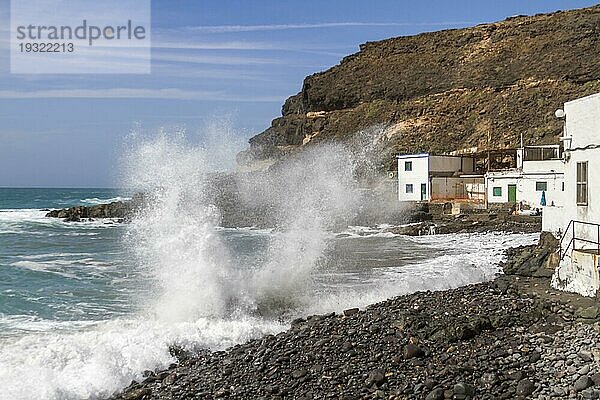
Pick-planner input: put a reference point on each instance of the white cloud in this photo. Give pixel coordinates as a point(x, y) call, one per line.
point(279, 27)
point(233, 45)
point(327, 50)
point(132, 93)
point(213, 59)
point(192, 71)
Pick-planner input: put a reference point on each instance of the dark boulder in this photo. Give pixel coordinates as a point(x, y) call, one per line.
point(535, 260)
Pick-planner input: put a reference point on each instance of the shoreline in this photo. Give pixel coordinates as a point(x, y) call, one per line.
point(511, 338)
point(415, 220)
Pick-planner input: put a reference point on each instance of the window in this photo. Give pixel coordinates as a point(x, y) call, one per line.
point(409, 188)
point(563, 187)
point(408, 165)
point(582, 178)
point(497, 191)
point(541, 186)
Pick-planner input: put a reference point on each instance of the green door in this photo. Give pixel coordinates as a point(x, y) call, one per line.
point(512, 193)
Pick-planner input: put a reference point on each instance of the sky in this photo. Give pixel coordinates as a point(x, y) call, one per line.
point(213, 62)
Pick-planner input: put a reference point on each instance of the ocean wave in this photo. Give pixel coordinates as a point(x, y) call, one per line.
point(74, 360)
point(250, 230)
point(52, 255)
point(23, 215)
point(96, 201)
point(44, 267)
point(356, 231)
point(468, 258)
point(37, 216)
point(15, 221)
point(105, 357)
point(11, 326)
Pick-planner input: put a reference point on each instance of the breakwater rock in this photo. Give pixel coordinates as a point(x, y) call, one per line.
point(434, 220)
point(119, 210)
point(536, 260)
point(496, 340)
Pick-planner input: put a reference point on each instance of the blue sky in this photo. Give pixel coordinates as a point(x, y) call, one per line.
point(228, 61)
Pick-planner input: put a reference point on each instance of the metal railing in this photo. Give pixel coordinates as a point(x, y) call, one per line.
point(571, 228)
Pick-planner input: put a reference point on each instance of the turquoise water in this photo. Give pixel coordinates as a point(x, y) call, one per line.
point(14, 198)
point(55, 271)
point(85, 307)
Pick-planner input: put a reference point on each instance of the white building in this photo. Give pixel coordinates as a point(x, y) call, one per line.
point(577, 220)
point(539, 171)
point(426, 177)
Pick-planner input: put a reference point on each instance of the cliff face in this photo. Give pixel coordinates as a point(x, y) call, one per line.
point(443, 91)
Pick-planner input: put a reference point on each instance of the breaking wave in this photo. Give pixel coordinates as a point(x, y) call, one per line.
point(199, 287)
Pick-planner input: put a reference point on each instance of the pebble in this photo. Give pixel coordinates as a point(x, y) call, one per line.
point(469, 343)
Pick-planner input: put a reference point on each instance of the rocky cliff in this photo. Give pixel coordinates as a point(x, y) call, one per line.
point(449, 90)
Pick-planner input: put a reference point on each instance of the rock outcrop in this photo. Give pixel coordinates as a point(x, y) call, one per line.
point(479, 87)
point(536, 260)
point(120, 210)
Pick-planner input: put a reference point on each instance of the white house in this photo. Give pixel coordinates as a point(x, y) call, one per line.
point(539, 172)
point(577, 221)
point(426, 177)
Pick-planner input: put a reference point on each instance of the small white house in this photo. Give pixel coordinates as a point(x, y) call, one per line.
point(539, 174)
point(577, 221)
point(426, 177)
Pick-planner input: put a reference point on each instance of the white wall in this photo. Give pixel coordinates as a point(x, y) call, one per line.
point(543, 166)
point(527, 192)
point(502, 180)
point(583, 120)
point(553, 220)
point(418, 176)
point(583, 125)
point(578, 271)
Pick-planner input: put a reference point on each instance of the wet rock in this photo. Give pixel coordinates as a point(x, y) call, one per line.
point(525, 387)
point(488, 380)
point(350, 312)
point(591, 312)
point(137, 393)
point(596, 379)
point(119, 210)
point(463, 390)
point(582, 383)
point(412, 351)
point(376, 376)
point(170, 379)
point(532, 260)
point(436, 394)
point(298, 373)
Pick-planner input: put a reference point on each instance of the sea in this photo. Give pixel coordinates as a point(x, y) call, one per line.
point(81, 315)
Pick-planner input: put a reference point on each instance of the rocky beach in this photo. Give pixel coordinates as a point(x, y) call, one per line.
point(512, 338)
point(477, 91)
point(380, 238)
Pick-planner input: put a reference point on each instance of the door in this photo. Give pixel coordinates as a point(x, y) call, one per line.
point(512, 193)
point(423, 191)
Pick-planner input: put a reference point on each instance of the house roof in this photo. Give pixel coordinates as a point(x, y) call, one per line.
point(418, 155)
